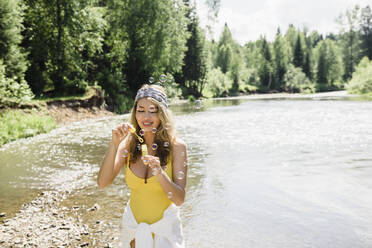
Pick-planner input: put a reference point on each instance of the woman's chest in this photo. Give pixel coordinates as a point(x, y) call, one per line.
point(140, 170)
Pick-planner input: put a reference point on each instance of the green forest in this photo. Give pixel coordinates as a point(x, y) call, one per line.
point(53, 48)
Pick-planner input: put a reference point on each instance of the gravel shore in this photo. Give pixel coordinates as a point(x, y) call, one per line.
point(44, 223)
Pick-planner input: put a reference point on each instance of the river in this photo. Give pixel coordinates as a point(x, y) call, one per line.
point(261, 172)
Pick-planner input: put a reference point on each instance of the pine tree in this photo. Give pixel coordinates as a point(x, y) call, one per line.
point(366, 31)
point(298, 53)
point(322, 66)
point(266, 68)
point(280, 61)
point(307, 66)
point(194, 67)
point(225, 50)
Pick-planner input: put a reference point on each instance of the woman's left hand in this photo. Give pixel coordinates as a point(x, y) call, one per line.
point(153, 162)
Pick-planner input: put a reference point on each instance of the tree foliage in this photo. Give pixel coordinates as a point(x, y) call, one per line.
point(329, 65)
point(361, 82)
point(119, 44)
point(156, 33)
point(350, 39)
point(298, 53)
point(192, 76)
point(366, 30)
point(62, 36)
point(224, 50)
point(266, 70)
point(296, 81)
point(13, 87)
point(280, 48)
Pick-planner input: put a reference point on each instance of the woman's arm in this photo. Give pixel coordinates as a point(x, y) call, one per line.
point(176, 188)
point(113, 161)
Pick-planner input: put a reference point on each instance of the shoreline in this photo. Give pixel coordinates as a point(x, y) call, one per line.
point(263, 96)
point(66, 115)
point(45, 221)
point(329, 94)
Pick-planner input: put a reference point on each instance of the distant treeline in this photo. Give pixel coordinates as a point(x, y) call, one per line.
point(61, 47)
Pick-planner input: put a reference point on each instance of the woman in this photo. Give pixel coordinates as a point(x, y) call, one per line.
point(157, 180)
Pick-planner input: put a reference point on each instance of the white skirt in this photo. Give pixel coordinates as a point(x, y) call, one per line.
point(168, 230)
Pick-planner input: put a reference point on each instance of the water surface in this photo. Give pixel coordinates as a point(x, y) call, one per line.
point(262, 173)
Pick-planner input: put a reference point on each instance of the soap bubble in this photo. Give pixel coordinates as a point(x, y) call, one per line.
point(163, 78)
point(180, 175)
point(154, 146)
point(125, 154)
point(170, 195)
point(154, 130)
point(166, 144)
point(155, 171)
point(167, 126)
point(151, 80)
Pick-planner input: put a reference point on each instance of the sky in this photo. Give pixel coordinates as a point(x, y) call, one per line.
point(250, 19)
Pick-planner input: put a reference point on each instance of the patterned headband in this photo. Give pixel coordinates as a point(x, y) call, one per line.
point(154, 94)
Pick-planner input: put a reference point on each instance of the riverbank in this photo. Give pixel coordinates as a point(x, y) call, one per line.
point(41, 116)
point(320, 95)
point(66, 115)
point(70, 110)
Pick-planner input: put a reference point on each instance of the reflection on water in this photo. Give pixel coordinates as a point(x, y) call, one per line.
point(262, 173)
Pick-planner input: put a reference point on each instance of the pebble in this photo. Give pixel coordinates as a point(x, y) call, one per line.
point(45, 222)
point(2, 215)
point(95, 207)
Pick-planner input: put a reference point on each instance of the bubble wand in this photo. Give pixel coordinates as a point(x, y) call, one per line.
point(133, 131)
point(143, 146)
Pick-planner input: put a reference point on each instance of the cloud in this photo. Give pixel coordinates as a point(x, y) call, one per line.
point(248, 20)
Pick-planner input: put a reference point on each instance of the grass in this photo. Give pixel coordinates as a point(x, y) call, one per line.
point(88, 94)
point(16, 124)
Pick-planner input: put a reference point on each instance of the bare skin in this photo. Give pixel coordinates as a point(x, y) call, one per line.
point(147, 118)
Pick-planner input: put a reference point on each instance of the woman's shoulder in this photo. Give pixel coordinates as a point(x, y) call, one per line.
point(178, 143)
point(179, 147)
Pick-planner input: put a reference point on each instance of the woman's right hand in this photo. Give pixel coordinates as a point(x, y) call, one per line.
point(119, 133)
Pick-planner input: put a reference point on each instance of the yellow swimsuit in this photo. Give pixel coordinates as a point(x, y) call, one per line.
point(147, 200)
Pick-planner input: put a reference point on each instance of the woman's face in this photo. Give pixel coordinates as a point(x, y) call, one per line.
point(147, 115)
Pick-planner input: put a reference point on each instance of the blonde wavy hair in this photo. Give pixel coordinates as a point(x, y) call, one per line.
point(165, 131)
